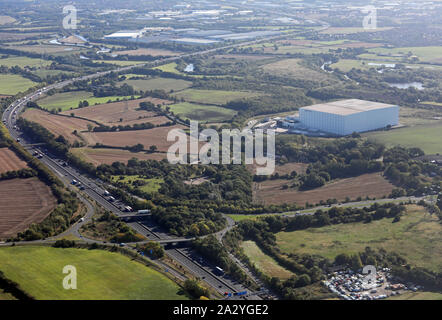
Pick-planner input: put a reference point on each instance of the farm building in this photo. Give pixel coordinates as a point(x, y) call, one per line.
point(347, 116)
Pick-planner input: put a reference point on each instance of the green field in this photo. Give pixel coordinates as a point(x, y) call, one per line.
point(201, 112)
point(263, 262)
point(101, 275)
point(170, 67)
point(24, 62)
point(424, 295)
point(11, 84)
point(152, 185)
point(417, 237)
point(427, 137)
point(70, 100)
point(166, 84)
point(119, 62)
point(218, 97)
point(425, 54)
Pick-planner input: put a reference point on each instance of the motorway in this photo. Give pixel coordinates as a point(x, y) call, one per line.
point(94, 189)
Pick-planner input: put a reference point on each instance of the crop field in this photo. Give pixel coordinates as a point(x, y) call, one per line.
point(9, 161)
point(170, 67)
point(263, 262)
point(148, 52)
point(11, 84)
point(119, 62)
point(420, 295)
point(286, 168)
point(201, 112)
point(372, 185)
point(427, 137)
point(293, 68)
point(69, 100)
point(24, 62)
point(425, 54)
point(151, 185)
point(417, 237)
point(121, 113)
point(350, 30)
point(155, 136)
point(99, 156)
point(102, 275)
point(33, 201)
point(166, 84)
point(46, 49)
point(6, 20)
point(58, 125)
point(218, 97)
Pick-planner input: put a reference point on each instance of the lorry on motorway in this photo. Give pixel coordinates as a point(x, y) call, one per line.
point(219, 271)
point(146, 211)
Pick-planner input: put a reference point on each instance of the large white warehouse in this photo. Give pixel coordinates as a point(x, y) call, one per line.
point(347, 116)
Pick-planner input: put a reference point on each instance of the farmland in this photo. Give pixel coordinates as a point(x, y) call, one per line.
point(102, 275)
point(99, 156)
point(217, 97)
point(69, 100)
point(11, 84)
point(9, 161)
point(417, 237)
point(24, 62)
point(293, 68)
point(263, 262)
point(430, 54)
point(206, 113)
point(58, 125)
point(33, 201)
point(148, 52)
point(167, 84)
point(150, 185)
point(372, 185)
point(426, 137)
point(120, 113)
point(155, 136)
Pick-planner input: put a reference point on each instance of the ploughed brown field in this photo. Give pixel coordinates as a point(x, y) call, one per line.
point(22, 203)
point(99, 156)
point(127, 111)
point(9, 161)
point(149, 137)
point(287, 168)
point(58, 125)
point(148, 52)
point(372, 185)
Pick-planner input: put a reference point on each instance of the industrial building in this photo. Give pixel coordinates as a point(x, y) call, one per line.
point(347, 116)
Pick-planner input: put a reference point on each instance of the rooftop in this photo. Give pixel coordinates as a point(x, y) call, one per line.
point(347, 107)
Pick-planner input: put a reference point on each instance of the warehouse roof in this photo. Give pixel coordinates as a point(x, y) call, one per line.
point(346, 107)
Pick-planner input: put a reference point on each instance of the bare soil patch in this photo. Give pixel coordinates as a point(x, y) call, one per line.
point(9, 161)
point(23, 202)
point(127, 111)
point(58, 125)
point(99, 156)
point(148, 52)
point(372, 185)
point(155, 136)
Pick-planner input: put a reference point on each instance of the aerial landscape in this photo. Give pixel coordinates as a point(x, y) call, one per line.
point(228, 150)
